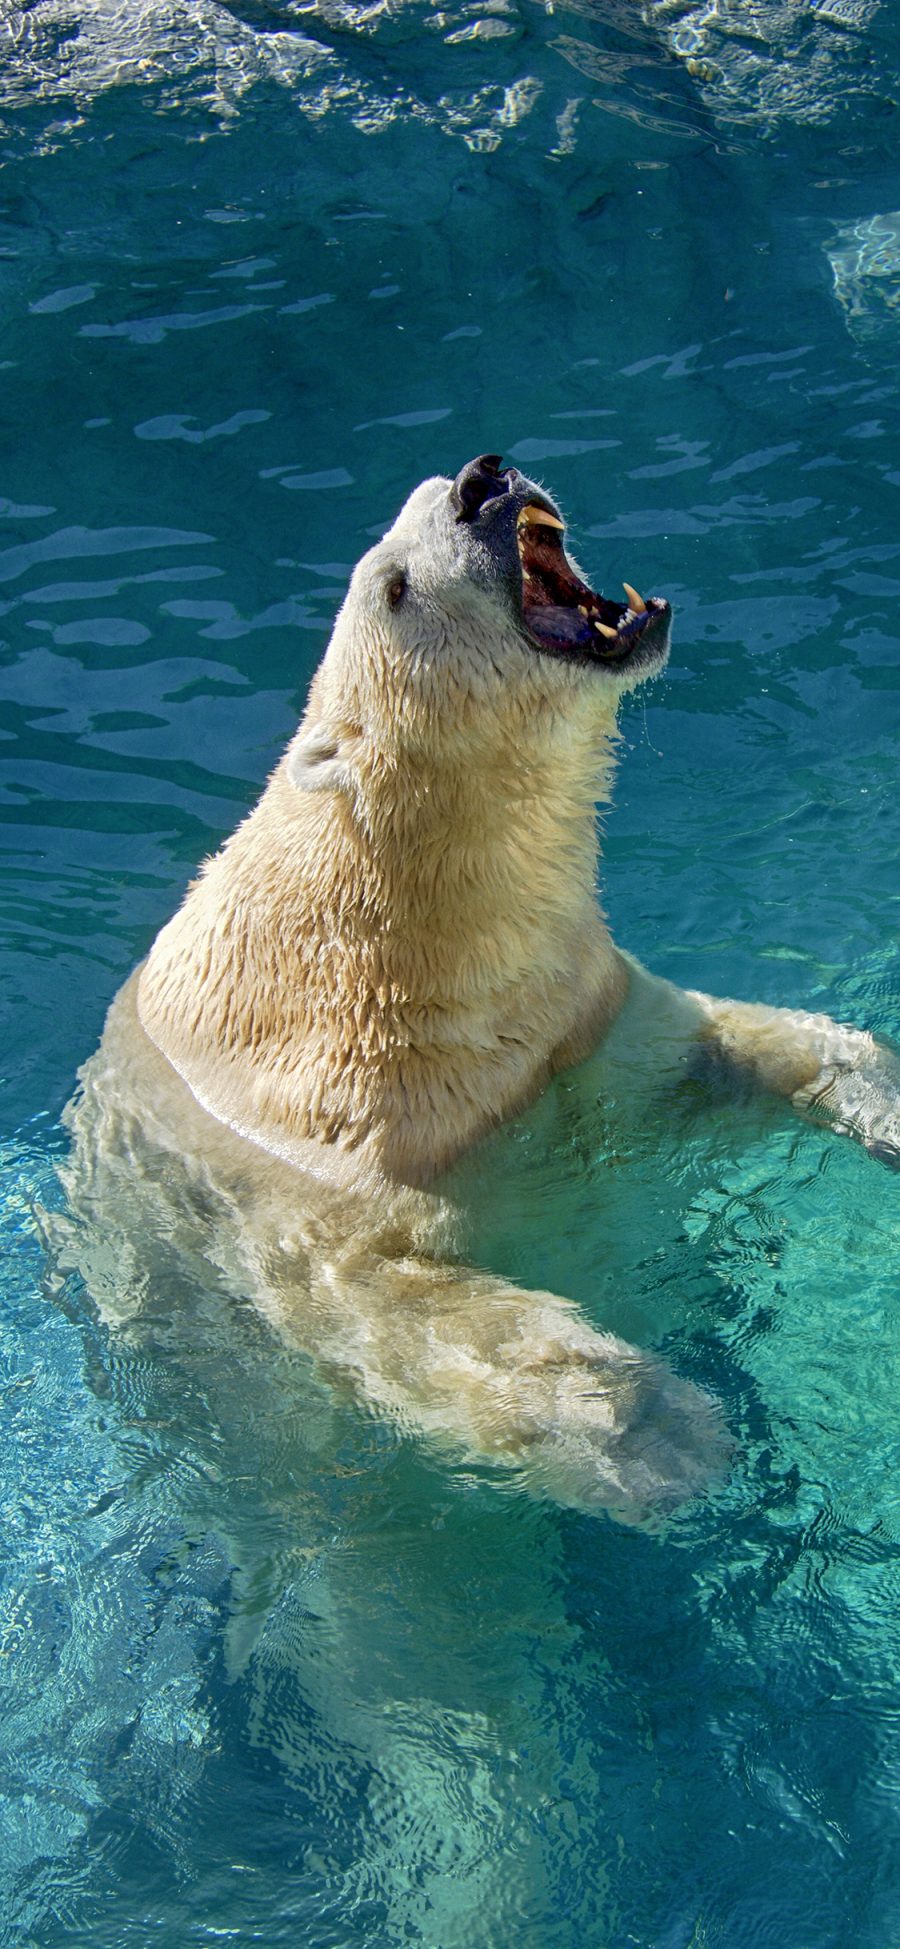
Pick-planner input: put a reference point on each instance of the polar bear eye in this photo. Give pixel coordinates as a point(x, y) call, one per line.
point(396, 590)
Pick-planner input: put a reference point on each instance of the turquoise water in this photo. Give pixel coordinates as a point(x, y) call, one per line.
point(271, 1670)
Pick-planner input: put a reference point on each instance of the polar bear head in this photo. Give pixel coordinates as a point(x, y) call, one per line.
point(466, 628)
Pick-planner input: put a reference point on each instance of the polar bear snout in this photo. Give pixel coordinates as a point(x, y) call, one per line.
point(482, 480)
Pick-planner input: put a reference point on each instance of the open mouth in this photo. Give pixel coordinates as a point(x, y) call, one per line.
point(563, 616)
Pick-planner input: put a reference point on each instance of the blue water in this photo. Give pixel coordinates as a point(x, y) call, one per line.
point(272, 1671)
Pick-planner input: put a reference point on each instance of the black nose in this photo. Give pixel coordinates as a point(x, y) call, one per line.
point(479, 482)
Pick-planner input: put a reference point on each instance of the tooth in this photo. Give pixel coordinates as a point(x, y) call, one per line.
point(605, 630)
point(536, 514)
point(635, 601)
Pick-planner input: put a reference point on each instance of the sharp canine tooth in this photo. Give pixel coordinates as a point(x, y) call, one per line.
point(605, 630)
point(635, 601)
point(536, 514)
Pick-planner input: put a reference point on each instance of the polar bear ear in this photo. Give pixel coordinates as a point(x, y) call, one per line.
point(318, 761)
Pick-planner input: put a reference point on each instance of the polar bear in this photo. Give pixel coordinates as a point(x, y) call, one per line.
point(400, 950)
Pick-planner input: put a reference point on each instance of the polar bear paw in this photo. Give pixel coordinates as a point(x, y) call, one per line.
point(598, 1424)
point(860, 1102)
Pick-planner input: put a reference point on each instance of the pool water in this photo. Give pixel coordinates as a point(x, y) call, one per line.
point(272, 1670)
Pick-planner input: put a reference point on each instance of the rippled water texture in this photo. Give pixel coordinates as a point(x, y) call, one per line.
point(271, 1670)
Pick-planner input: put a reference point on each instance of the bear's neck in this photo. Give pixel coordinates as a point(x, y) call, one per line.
point(397, 976)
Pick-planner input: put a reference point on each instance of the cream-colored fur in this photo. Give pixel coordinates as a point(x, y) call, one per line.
point(402, 943)
point(399, 950)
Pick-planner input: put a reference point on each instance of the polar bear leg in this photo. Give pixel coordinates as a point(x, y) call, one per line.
point(831, 1073)
point(520, 1377)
